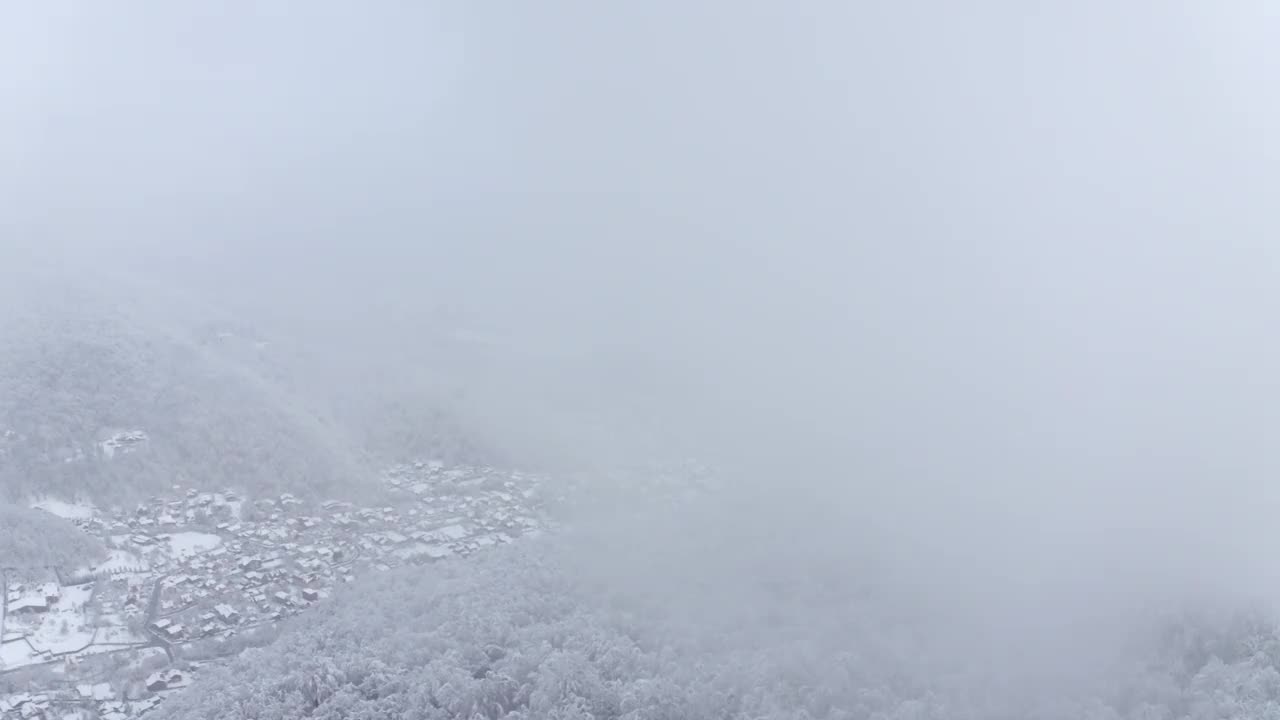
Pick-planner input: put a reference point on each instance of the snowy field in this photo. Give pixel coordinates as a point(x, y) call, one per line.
point(15, 654)
point(118, 635)
point(63, 509)
point(64, 627)
point(189, 544)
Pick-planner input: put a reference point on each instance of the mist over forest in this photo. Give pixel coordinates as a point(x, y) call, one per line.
point(638, 360)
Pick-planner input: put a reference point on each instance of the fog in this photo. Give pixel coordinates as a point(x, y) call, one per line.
point(980, 296)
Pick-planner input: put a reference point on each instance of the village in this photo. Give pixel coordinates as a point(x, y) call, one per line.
point(199, 574)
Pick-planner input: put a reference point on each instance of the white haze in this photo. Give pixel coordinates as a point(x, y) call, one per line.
point(978, 294)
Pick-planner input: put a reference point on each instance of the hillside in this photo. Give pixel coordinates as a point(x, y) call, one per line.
point(32, 539)
point(525, 633)
point(96, 404)
point(113, 386)
point(112, 392)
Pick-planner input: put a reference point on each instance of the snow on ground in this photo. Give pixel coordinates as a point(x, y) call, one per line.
point(145, 656)
point(114, 632)
point(448, 532)
point(189, 544)
point(98, 648)
point(16, 654)
point(125, 442)
point(64, 627)
point(66, 510)
point(118, 635)
point(121, 561)
point(235, 505)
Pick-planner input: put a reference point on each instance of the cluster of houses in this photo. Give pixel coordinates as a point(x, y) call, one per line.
point(25, 705)
point(26, 598)
point(123, 442)
point(89, 700)
point(202, 566)
point(100, 700)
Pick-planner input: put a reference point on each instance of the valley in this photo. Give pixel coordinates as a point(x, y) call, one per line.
point(195, 575)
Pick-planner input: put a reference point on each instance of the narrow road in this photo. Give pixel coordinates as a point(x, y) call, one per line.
point(157, 641)
point(154, 602)
point(152, 605)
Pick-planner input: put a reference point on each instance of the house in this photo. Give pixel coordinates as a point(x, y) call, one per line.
point(282, 597)
point(24, 705)
point(101, 692)
point(29, 604)
point(454, 531)
point(310, 594)
point(14, 702)
point(157, 682)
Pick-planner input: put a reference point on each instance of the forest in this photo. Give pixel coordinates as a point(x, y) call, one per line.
point(526, 632)
point(220, 407)
point(34, 539)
